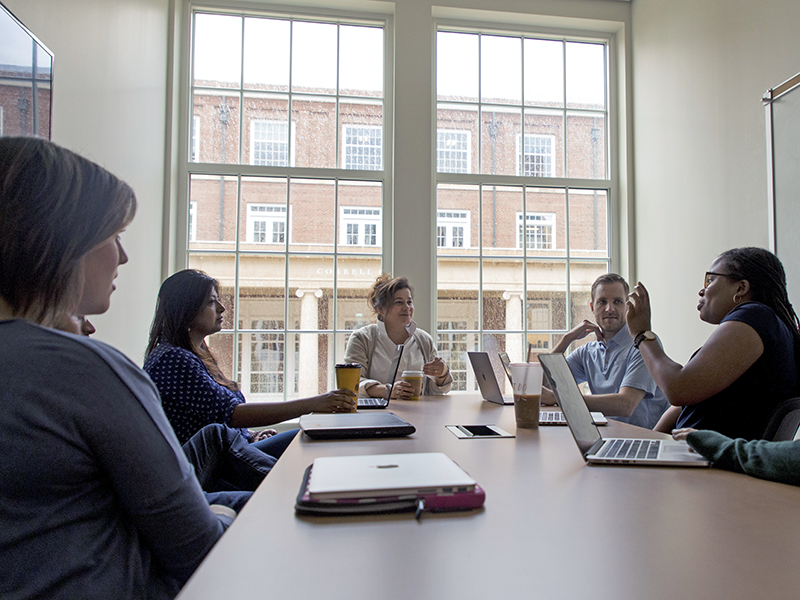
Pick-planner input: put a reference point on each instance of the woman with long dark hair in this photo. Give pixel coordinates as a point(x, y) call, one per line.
point(749, 363)
point(98, 498)
point(194, 390)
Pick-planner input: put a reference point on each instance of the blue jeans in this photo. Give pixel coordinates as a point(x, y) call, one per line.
point(224, 460)
point(230, 468)
point(234, 500)
point(275, 445)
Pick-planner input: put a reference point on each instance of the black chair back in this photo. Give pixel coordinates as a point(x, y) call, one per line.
point(784, 422)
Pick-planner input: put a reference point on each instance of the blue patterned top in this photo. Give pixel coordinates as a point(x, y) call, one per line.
point(190, 396)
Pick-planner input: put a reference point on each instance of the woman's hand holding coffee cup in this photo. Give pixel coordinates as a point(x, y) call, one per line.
point(402, 390)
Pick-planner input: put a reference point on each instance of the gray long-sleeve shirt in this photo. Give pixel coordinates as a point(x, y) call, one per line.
point(97, 500)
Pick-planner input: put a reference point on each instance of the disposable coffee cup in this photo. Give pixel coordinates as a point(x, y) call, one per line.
point(415, 379)
point(348, 376)
point(526, 381)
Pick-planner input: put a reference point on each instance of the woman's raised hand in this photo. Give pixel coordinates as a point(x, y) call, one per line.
point(638, 315)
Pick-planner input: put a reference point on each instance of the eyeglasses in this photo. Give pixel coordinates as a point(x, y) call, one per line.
point(706, 281)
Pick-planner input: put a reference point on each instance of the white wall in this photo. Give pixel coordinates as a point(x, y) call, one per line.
point(109, 105)
point(700, 69)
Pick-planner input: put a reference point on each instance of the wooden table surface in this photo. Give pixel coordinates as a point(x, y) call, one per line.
point(552, 527)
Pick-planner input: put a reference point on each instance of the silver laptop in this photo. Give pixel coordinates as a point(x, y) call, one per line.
point(336, 477)
point(363, 403)
point(595, 449)
point(490, 390)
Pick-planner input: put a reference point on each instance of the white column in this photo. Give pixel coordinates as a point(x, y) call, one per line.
point(515, 347)
point(309, 348)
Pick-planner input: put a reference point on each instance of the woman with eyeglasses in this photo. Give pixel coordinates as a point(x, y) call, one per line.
point(748, 365)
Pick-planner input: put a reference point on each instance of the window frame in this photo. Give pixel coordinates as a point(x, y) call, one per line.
point(610, 182)
point(186, 169)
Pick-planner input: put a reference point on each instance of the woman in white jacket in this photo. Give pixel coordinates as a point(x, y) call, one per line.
point(373, 346)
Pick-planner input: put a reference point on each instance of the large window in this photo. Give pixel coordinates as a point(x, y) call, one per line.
point(285, 188)
point(522, 148)
point(287, 181)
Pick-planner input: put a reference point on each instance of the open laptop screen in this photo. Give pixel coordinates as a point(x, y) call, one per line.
point(570, 400)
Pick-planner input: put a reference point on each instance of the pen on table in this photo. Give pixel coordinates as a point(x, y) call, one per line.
point(420, 508)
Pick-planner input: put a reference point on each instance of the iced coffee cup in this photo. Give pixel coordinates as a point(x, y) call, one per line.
point(348, 376)
point(526, 381)
point(415, 379)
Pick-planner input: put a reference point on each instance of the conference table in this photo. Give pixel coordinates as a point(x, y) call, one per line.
point(551, 527)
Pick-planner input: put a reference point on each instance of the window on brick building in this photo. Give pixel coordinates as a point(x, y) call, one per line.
point(270, 143)
point(195, 142)
point(452, 346)
point(362, 147)
point(360, 226)
point(537, 232)
point(452, 151)
point(536, 155)
point(452, 229)
point(192, 228)
point(266, 224)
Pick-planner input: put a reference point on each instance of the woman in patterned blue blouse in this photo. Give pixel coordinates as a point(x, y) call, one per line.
point(194, 391)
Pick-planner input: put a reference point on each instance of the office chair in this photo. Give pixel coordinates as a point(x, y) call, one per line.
point(785, 421)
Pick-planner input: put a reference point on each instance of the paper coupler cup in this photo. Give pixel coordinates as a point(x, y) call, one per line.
point(526, 381)
point(348, 376)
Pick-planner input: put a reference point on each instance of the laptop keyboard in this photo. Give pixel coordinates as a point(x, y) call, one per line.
point(630, 449)
point(371, 401)
point(551, 416)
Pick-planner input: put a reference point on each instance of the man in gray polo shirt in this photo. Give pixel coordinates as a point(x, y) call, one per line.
point(620, 384)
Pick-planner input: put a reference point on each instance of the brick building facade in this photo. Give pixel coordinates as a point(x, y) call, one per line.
point(313, 233)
